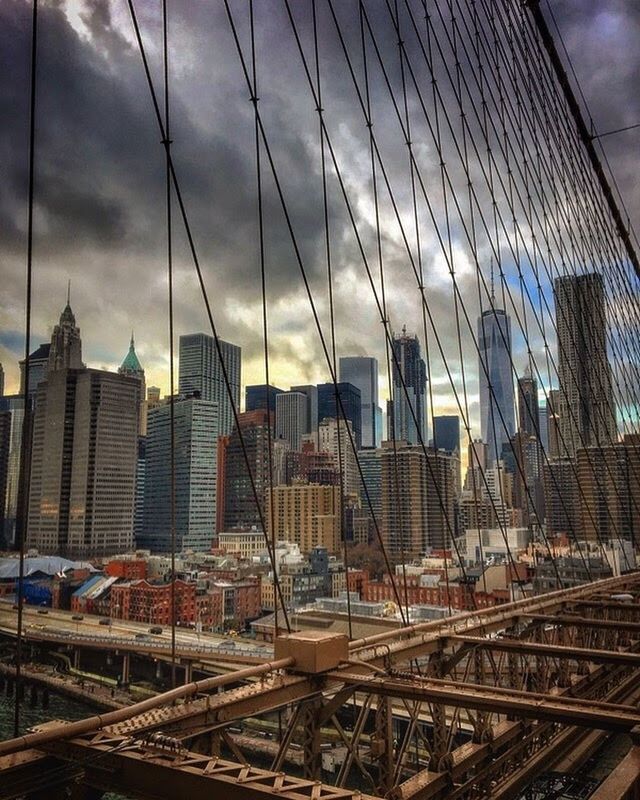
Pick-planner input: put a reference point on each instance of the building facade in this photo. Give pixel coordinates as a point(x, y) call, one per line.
point(350, 398)
point(196, 433)
point(586, 402)
point(362, 372)
point(291, 418)
point(83, 466)
point(406, 414)
point(201, 371)
point(306, 514)
point(497, 409)
point(261, 398)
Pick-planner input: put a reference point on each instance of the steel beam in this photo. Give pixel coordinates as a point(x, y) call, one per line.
point(568, 711)
point(552, 650)
point(584, 622)
point(114, 765)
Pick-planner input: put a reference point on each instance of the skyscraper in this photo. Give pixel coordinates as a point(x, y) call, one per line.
point(446, 433)
point(351, 405)
point(261, 397)
point(417, 500)
point(362, 372)
point(240, 509)
point(201, 371)
point(291, 418)
point(406, 416)
point(497, 409)
point(528, 413)
point(586, 404)
point(1, 381)
point(311, 393)
point(38, 367)
point(83, 464)
point(329, 434)
point(5, 443)
point(65, 351)
point(13, 405)
point(132, 367)
point(196, 433)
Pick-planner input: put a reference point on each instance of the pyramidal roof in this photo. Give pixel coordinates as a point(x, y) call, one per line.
point(131, 363)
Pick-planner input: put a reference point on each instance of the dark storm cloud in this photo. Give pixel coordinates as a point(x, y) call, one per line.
point(100, 215)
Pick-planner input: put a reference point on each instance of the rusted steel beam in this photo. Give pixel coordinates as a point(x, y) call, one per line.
point(624, 782)
point(552, 650)
point(20, 770)
point(113, 765)
point(568, 711)
point(584, 622)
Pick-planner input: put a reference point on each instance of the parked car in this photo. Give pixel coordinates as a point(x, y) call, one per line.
point(77, 617)
point(155, 629)
point(43, 611)
point(104, 621)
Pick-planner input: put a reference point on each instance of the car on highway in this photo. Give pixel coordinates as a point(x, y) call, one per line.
point(43, 611)
point(141, 636)
point(77, 617)
point(156, 629)
point(104, 621)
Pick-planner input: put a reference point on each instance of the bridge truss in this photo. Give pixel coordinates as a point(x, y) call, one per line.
point(471, 707)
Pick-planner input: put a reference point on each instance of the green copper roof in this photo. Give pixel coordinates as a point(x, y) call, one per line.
point(131, 362)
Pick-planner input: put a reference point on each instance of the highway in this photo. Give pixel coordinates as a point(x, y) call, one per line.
point(59, 625)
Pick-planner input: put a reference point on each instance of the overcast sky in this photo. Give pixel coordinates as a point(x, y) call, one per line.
point(100, 215)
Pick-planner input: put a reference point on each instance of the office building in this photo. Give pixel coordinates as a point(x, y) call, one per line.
point(38, 367)
point(330, 433)
point(553, 424)
point(250, 442)
point(311, 393)
point(562, 498)
point(13, 407)
point(586, 403)
point(497, 409)
point(84, 452)
point(138, 508)
point(528, 412)
point(609, 479)
point(200, 371)
point(351, 406)
point(312, 466)
point(446, 433)
point(83, 463)
point(417, 500)
point(5, 443)
point(371, 479)
point(362, 372)
point(406, 415)
point(291, 418)
point(261, 398)
point(196, 434)
point(132, 367)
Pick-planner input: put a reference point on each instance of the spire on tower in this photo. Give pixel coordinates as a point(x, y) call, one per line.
point(69, 292)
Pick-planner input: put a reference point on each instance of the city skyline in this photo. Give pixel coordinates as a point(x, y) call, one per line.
point(127, 299)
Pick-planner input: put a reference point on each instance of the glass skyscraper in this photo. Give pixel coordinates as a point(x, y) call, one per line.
point(497, 408)
point(406, 415)
point(200, 371)
point(196, 433)
point(446, 433)
point(351, 403)
point(362, 372)
point(261, 397)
